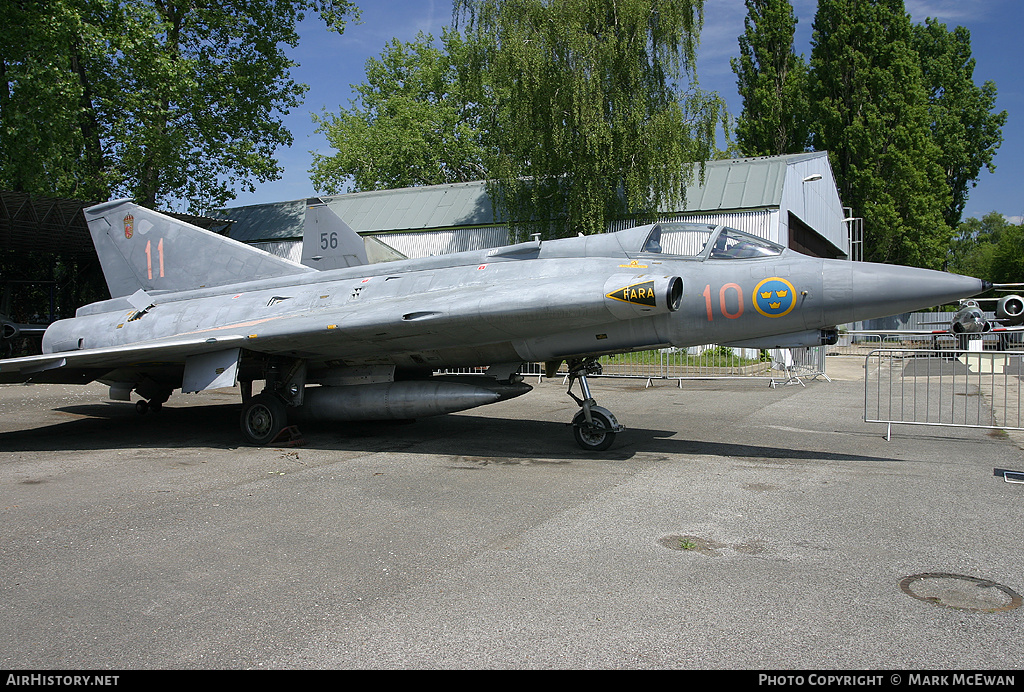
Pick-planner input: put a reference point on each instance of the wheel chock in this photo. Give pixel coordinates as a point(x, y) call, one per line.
point(289, 437)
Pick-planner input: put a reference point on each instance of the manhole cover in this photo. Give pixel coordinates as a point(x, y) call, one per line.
point(963, 593)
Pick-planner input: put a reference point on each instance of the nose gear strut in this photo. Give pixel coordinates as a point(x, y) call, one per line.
point(594, 427)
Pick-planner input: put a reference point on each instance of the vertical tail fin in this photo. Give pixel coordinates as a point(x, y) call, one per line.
point(139, 248)
point(328, 242)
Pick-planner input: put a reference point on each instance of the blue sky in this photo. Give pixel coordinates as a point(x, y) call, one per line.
point(330, 64)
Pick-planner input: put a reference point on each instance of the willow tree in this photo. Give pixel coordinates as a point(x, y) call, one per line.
point(592, 106)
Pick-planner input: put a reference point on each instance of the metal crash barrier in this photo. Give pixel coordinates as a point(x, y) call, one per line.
point(974, 389)
point(713, 362)
point(779, 366)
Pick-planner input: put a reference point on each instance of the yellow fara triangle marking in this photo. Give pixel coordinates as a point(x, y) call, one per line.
point(637, 294)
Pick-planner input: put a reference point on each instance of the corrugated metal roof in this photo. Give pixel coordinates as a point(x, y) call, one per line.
point(265, 222)
point(736, 184)
point(415, 208)
point(57, 226)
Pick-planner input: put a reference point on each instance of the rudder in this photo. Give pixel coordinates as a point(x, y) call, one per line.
point(327, 241)
point(139, 248)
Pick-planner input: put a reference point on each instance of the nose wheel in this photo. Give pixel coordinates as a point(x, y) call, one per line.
point(594, 427)
point(154, 397)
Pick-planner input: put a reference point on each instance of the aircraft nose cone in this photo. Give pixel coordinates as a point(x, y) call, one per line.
point(857, 291)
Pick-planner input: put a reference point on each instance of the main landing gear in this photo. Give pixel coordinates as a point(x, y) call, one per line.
point(264, 417)
point(594, 427)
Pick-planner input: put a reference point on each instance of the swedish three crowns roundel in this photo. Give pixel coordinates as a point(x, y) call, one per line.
point(774, 297)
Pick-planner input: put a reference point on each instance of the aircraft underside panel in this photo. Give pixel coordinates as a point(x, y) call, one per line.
point(211, 370)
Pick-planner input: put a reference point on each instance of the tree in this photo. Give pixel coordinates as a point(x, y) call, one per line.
point(1008, 258)
point(411, 124)
point(869, 109)
point(47, 144)
point(963, 125)
point(167, 101)
point(991, 248)
point(772, 81)
point(583, 100)
point(162, 101)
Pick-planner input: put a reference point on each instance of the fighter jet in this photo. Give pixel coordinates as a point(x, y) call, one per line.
point(10, 330)
point(970, 321)
point(193, 310)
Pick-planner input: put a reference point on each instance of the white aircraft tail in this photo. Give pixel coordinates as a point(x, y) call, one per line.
point(139, 248)
point(328, 242)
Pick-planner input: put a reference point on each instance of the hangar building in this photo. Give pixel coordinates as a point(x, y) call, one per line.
point(791, 200)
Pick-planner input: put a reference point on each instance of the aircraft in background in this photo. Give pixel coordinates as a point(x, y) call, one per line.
point(10, 330)
point(970, 321)
point(192, 310)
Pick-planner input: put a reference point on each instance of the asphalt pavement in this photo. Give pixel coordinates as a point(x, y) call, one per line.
point(733, 525)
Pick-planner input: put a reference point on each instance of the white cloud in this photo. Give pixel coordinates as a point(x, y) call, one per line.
point(950, 10)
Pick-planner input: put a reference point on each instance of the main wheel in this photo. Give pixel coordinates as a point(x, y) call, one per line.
point(263, 417)
point(593, 438)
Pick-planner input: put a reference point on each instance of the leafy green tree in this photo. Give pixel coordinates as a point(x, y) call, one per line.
point(166, 101)
point(159, 100)
point(772, 81)
point(584, 101)
point(48, 145)
point(973, 245)
point(45, 139)
point(869, 109)
point(990, 248)
point(963, 123)
point(1008, 258)
point(411, 123)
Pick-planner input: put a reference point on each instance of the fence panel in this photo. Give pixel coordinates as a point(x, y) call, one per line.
point(943, 388)
point(698, 362)
point(861, 343)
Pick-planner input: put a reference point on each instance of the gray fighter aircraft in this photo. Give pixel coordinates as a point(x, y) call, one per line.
point(193, 310)
point(10, 330)
point(971, 321)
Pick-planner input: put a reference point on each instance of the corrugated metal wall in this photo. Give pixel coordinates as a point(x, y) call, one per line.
point(810, 194)
point(444, 242)
point(754, 195)
point(288, 249)
point(762, 223)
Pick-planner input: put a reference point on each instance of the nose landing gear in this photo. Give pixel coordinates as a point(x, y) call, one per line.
point(594, 427)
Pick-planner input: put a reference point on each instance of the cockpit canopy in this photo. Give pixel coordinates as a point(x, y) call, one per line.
point(699, 241)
